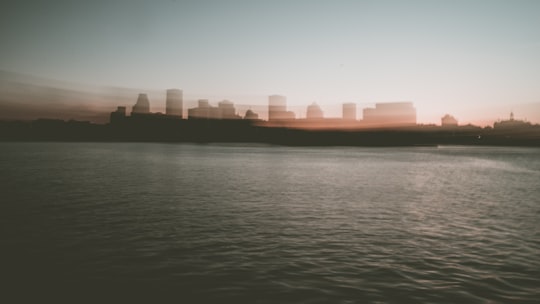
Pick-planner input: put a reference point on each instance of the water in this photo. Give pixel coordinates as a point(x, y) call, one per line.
point(269, 224)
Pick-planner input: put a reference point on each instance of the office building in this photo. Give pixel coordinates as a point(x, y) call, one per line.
point(224, 110)
point(174, 103)
point(277, 107)
point(390, 114)
point(349, 111)
point(142, 106)
point(227, 110)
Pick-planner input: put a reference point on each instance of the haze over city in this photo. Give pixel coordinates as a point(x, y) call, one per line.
point(477, 60)
point(270, 151)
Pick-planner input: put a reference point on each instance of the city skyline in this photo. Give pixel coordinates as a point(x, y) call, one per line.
point(53, 99)
point(383, 115)
point(385, 124)
point(475, 59)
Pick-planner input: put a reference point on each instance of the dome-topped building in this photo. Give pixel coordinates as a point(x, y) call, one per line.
point(449, 121)
point(314, 112)
point(251, 115)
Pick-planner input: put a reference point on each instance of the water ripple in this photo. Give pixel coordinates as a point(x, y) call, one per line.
point(275, 224)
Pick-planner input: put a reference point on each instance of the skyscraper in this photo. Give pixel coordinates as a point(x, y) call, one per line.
point(142, 106)
point(349, 111)
point(174, 104)
point(277, 107)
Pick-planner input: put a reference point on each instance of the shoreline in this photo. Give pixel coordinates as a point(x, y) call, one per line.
point(246, 132)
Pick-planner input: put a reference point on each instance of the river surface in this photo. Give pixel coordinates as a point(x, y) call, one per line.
point(271, 224)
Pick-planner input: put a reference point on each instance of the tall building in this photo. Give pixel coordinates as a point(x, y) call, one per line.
point(390, 114)
point(174, 103)
point(349, 111)
point(227, 110)
point(277, 107)
point(142, 106)
point(314, 112)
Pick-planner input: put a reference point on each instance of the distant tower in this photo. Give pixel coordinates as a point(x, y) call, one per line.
point(349, 111)
point(277, 107)
point(142, 106)
point(314, 112)
point(174, 103)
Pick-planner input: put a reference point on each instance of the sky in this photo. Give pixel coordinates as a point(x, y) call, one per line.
point(475, 59)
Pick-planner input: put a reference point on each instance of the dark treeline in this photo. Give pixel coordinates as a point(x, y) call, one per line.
point(208, 130)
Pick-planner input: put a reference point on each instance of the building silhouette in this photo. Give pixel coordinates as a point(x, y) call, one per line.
point(142, 106)
point(277, 108)
point(174, 103)
point(251, 115)
point(202, 111)
point(511, 123)
point(118, 116)
point(227, 110)
point(449, 121)
point(224, 110)
point(314, 112)
point(349, 111)
point(390, 114)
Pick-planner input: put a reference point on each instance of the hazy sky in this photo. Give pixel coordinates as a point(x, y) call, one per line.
point(458, 57)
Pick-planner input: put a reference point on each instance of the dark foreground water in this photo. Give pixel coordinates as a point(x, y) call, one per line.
point(267, 224)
